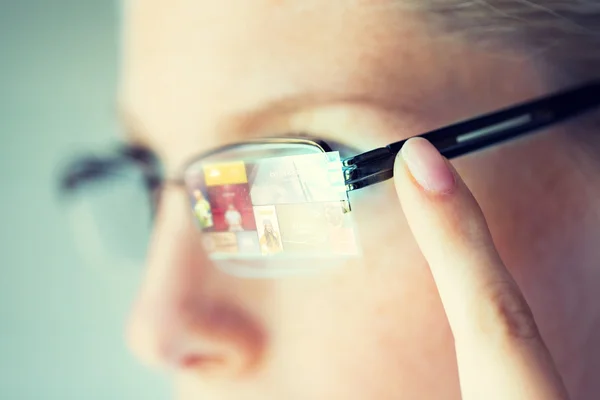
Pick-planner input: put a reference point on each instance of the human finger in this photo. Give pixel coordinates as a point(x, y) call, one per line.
point(499, 350)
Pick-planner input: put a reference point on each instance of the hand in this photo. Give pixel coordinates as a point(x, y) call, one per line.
point(499, 350)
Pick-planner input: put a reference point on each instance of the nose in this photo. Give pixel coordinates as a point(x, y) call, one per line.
point(184, 316)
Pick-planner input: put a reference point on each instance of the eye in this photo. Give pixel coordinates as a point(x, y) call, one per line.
point(345, 150)
point(108, 199)
point(137, 166)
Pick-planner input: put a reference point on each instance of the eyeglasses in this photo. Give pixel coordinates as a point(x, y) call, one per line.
point(288, 196)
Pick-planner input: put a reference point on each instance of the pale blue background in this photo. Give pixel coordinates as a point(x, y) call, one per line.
point(61, 324)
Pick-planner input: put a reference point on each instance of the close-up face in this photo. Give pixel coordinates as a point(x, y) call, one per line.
point(204, 74)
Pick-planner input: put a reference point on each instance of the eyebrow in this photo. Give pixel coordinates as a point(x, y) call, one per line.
point(302, 100)
point(247, 119)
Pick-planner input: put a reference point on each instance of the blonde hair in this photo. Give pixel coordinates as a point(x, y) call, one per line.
point(563, 36)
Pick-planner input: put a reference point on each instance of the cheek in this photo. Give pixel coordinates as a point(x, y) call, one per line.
point(383, 232)
point(373, 327)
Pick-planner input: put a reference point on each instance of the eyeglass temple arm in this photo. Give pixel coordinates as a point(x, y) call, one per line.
point(464, 137)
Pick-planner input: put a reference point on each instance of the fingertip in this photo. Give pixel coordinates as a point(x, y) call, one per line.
point(443, 215)
point(399, 168)
point(428, 168)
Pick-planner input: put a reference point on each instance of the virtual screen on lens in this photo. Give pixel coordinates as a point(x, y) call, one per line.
point(281, 206)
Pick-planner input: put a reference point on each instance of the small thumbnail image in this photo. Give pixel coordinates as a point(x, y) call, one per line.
point(275, 181)
point(317, 228)
point(321, 176)
point(304, 228)
point(267, 226)
point(342, 236)
point(296, 179)
point(229, 173)
point(199, 199)
point(231, 208)
point(202, 209)
point(334, 214)
point(248, 243)
point(220, 242)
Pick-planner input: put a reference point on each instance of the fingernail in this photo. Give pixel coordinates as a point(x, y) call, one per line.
point(427, 166)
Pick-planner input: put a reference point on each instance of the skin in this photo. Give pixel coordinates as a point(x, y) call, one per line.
point(198, 75)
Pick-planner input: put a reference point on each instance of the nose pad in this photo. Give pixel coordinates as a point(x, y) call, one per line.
point(184, 316)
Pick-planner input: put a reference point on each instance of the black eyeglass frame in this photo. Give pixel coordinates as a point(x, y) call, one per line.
point(461, 138)
point(375, 166)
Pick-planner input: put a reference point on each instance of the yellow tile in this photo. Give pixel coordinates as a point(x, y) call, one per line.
point(225, 174)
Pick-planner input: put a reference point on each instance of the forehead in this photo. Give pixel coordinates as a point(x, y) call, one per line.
point(204, 70)
point(246, 41)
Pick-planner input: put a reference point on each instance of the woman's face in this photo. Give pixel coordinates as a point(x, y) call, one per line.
point(202, 74)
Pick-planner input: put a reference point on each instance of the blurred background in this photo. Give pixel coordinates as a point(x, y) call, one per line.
point(61, 320)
